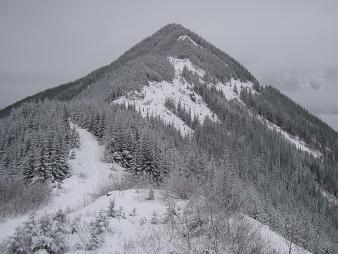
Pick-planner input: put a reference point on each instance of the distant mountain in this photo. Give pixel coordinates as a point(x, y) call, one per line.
point(176, 105)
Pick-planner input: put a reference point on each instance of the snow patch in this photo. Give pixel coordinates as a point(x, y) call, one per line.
point(179, 65)
point(329, 196)
point(151, 99)
point(229, 88)
point(300, 144)
point(185, 37)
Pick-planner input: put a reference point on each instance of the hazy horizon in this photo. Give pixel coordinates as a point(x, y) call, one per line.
point(44, 44)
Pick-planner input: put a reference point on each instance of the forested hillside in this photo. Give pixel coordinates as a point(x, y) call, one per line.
point(229, 150)
point(282, 111)
point(36, 141)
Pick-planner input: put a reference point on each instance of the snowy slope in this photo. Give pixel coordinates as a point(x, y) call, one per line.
point(142, 229)
point(150, 101)
point(152, 97)
point(130, 234)
point(228, 89)
point(231, 91)
point(145, 231)
point(87, 171)
point(296, 141)
point(274, 241)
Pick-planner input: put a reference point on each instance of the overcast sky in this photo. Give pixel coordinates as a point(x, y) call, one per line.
point(45, 43)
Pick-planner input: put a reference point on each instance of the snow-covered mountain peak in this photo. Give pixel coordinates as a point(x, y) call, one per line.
point(152, 99)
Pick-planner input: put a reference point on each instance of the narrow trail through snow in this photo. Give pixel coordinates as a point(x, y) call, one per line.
point(87, 169)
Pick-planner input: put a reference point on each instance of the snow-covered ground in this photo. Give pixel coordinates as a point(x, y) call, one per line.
point(230, 87)
point(142, 218)
point(140, 229)
point(296, 141)
point(152, 98)
point(274, 241)
point(88, 170)
point(143, 229)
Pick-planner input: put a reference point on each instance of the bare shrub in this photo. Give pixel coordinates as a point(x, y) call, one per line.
point(211, 217)
point(124, 182)
point(153, 241)
point(245, 237)
point(151, 195)
point(217, 208)
point(133, 212)
point(83, 175)
point(180, 186)
point(215, 233)
point(17, 197)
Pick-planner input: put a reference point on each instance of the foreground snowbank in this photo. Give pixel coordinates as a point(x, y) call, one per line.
point(147, 229)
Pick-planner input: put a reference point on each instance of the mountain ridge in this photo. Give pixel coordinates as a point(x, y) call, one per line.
point(69, 90)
